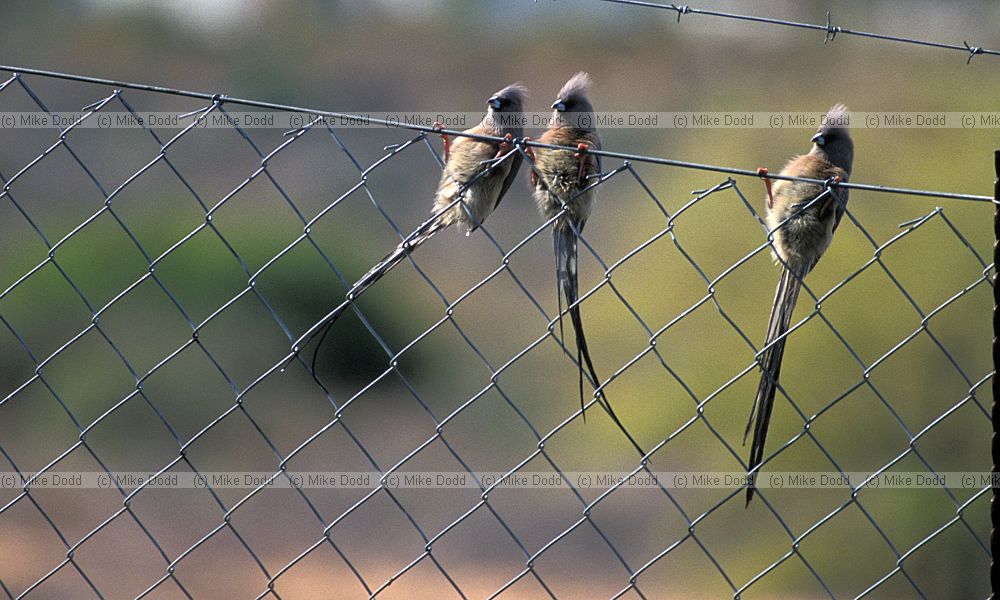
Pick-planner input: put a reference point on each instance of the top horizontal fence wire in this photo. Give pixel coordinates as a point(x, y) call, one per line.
point(585, 524)
point(224, 99)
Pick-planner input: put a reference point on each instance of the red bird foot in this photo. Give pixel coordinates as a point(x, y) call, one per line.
point(531, 157)
point(581, 156)
point(444, 136)
point(763, 174)
point(505, 146)
point(829, 201)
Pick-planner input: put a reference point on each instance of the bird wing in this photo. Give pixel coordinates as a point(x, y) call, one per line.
point(595, 144)
point(841, 194)
point(515, 166)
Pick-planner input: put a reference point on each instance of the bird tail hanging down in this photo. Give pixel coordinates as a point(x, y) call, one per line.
point(566, 254)
point(781, 317)
point(425, 232)
point(421, 235)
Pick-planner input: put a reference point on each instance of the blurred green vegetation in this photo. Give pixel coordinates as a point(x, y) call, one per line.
point(449, 56)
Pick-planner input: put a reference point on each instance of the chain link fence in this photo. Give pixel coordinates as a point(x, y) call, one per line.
point(158, 285)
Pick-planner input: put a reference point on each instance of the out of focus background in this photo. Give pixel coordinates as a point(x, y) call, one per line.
point(881, 403)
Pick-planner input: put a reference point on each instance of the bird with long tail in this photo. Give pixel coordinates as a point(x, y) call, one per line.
point(802, 217)
point(477, 174)
point(564, 194)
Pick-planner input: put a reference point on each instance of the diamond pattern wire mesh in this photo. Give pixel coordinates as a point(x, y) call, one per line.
point(243, 412)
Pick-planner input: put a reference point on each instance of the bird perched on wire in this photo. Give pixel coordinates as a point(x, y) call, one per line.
point(561, 179)
point(802, 217)
point(477, 174)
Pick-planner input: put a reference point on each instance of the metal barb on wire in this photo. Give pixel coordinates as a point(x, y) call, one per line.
point(973, 50)
point(831, 31)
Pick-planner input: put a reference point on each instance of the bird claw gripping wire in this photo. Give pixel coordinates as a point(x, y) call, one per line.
point(504, 149)
point(829, 186)
point(762, 173)
point(531, 157)
point(505, 146)
point(438, 126)
point(581, 156)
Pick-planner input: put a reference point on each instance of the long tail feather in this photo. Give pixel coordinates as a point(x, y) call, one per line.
point(785, 297)
point(564, 240)
point(423, 233)
point(559, 293)
point(566, 272)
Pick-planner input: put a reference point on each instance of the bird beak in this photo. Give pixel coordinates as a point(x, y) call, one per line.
point(559, 106)
point(494, 102)
point(818, 139)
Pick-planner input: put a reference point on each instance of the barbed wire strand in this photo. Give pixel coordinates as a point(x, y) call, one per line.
point(831, 30)
point(223, 98)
